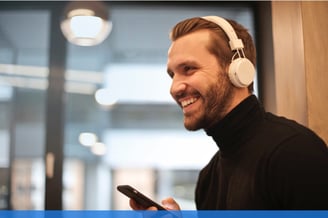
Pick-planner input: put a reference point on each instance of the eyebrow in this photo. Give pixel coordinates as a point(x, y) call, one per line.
point(184, 63)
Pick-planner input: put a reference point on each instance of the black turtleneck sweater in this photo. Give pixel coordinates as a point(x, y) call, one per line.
point(264, 162)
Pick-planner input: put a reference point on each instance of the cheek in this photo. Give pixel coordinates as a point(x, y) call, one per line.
point(216, 88)
point(208, 82)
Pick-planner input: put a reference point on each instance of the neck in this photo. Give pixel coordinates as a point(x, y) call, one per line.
point(238, 125)
point(239, 96)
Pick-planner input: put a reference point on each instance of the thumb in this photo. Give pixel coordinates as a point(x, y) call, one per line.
point(170, 204)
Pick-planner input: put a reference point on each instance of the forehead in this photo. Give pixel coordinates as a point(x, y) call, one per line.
point(191, 44)
point(192, 40)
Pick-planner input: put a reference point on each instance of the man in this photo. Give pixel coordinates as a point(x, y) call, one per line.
point(264, 161)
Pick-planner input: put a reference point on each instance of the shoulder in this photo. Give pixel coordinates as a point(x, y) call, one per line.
point(294, 141)
point(289, 131)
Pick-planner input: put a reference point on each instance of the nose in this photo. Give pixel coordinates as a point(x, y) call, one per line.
point(178, 87)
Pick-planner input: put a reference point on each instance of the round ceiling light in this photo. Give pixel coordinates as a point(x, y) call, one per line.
point(86, 23)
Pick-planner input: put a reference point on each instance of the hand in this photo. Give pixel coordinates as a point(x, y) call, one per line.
point(168, 203)
point(135, 206)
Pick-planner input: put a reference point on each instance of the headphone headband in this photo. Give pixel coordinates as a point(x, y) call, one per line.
point(234, 42)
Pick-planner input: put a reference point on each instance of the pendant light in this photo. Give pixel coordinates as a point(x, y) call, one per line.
point(86, 23)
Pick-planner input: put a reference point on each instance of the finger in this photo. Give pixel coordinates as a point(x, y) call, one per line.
point(152, 208)
point(135, 206)
point(170, 204)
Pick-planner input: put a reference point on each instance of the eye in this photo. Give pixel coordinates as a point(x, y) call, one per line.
point(171, 74)
point(187, 69)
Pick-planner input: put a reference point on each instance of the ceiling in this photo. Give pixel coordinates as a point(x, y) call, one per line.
point(140, 32)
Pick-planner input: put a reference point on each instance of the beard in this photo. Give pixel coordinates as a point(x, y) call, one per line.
point(217, 100)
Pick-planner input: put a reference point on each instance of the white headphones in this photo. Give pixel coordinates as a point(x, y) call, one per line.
point(241, 70)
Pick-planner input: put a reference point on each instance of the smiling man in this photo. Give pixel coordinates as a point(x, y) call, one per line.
point(264, 161)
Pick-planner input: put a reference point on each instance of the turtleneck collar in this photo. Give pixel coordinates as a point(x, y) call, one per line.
point(238, 125)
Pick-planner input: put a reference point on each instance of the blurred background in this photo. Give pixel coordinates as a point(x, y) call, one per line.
point(78, 117)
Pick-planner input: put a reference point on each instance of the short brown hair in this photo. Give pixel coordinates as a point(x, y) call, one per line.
point(220, 48)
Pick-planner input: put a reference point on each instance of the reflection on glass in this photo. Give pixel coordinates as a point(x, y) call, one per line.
point(87, 138)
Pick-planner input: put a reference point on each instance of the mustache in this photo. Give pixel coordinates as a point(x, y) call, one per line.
point(186, 93)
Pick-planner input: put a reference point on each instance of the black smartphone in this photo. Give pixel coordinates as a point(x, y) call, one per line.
point(138, 197)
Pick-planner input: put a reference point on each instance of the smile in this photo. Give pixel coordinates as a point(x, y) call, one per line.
point(187, 102)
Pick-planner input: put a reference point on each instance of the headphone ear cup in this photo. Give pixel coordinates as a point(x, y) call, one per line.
point(241, 72)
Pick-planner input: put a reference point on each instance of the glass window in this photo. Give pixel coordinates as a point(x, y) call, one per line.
point(23, 84)
point(120, 125)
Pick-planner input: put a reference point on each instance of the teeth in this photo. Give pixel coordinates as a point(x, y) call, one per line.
point(188, 102)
